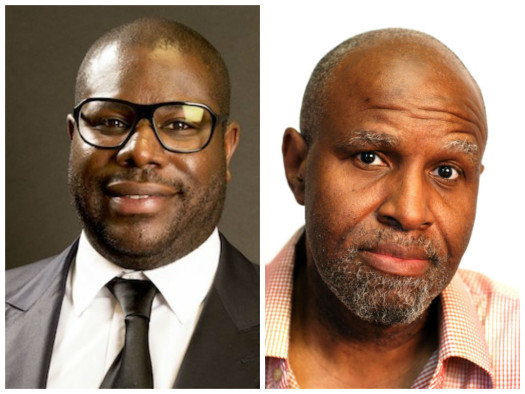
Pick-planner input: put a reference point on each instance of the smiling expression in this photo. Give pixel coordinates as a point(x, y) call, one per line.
point(141, 205)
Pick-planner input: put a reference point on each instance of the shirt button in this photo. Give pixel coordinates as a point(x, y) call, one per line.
point(277, 374)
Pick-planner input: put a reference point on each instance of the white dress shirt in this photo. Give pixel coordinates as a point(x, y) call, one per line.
point(91, 329)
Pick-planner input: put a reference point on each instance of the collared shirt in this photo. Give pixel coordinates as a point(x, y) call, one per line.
point(478, 331)
point(91, 329)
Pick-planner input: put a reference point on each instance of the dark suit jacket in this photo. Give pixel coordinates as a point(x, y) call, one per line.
point(223, 352)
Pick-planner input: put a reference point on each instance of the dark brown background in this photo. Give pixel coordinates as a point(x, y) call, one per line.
point(44, 48)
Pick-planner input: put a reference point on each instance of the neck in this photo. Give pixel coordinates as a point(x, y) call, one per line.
point(361, 354)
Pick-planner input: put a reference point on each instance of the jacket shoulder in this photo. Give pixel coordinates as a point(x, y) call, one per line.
point(239, 267)
point(25, 284)
point(16, 278)
point(237, 282)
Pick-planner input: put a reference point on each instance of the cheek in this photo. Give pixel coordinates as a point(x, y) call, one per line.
point(335, 201)
point(455, 219)
point(201, 168)
point(86, 161)
point(213, 157)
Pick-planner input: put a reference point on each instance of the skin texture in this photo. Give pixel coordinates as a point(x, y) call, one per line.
point(394, 170)
point(195, 183)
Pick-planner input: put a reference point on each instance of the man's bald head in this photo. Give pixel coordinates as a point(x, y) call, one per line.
point(390, 43)
point(152, 33)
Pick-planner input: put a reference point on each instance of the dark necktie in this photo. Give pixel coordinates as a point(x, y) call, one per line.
point(132, 367)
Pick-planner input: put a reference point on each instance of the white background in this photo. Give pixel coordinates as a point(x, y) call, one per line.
point(489, 37)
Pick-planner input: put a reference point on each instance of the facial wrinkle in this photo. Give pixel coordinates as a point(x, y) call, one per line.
point(452, 114)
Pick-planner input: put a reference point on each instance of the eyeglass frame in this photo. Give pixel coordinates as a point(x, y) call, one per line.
point(146, 111)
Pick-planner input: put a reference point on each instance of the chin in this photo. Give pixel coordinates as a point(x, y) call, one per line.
point(146, 242)
point(133, 246)
point(140, 247)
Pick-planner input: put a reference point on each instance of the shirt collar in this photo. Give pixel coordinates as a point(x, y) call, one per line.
point(183, 284)
point(278, 300)
point(460, 331)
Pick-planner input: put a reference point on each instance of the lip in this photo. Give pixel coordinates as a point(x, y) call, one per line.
point(135, 198)
point(397, 260)
point(129, 188)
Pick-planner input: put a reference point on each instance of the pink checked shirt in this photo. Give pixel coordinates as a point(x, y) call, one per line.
point(479, 337)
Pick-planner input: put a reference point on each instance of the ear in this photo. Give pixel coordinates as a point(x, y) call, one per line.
point(70, 121)
point(481, 169)
point(231, 140)
point(294, 157)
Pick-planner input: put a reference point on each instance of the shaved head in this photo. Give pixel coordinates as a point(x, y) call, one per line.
point(154, 33)
point(395, 129)
point(146, 62)
point(389, 44)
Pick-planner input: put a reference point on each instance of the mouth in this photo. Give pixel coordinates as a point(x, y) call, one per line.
point(397, 260)
point(135, 198)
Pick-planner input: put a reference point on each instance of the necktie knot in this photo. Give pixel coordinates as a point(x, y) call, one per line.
point(134, 296)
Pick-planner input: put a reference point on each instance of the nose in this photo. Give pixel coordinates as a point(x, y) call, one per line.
point(407, 205)
point(143, 149)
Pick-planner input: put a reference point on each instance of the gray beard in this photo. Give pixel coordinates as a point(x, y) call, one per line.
point(378, 297)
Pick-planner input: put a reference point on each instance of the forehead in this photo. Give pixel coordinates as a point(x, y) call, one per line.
point(148, 75)
point(405, 88)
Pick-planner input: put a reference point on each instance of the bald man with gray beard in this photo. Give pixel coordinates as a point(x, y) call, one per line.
point(387, 164)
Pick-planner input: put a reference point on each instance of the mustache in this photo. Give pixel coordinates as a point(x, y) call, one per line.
point(149, 175)
point(373, 239)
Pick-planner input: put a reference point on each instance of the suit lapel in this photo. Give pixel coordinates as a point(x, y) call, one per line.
point(32, 313)
point(223, 352)
point(224, 349)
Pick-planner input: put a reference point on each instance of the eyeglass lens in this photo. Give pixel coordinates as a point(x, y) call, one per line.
point(180, 127)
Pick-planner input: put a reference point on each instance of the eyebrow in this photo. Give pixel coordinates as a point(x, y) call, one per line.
point(462, 146)
point(365, 138)
point(378, 140)
point(466, 147)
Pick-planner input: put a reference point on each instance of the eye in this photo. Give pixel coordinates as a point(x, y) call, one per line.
point(370, 158)
point(178, 129)
point(113, 123)
point(176, 125)
point(109, 126)
point(179, 126)
point(446, 172)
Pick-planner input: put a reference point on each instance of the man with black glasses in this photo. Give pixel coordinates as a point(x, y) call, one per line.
point(150, 295)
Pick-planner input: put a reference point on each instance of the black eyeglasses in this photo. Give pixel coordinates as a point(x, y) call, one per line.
point(180, 127)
